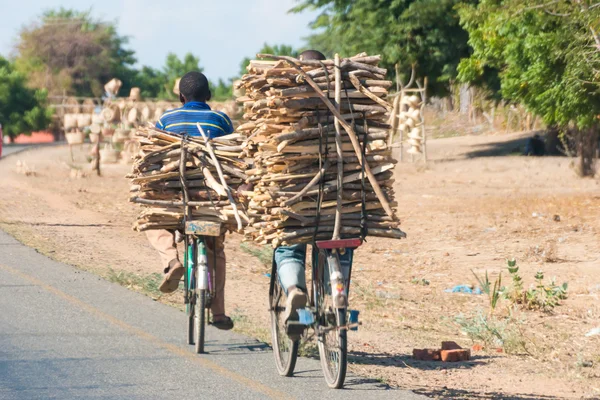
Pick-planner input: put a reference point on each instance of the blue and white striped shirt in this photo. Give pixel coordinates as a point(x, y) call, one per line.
point(183, 120)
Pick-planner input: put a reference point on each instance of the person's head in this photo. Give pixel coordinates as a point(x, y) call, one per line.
point(311, 55)
point(193, 86)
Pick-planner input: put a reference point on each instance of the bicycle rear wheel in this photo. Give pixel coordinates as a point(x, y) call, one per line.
point(284, 349)
point(333, 344)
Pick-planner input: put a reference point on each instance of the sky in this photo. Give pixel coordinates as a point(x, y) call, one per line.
point(220, 32)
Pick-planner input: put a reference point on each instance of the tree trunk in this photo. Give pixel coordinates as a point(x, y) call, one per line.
point(588, 144)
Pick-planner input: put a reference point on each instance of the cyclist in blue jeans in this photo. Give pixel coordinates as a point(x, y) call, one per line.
point(291, 260)
point(291, 268)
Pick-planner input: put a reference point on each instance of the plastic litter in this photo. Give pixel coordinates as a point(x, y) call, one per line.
point(464, 289)
point(593, 332)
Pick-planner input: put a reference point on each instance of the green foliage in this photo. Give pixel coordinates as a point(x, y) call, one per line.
point(152, 83)
point(155, 83)
point(541, 296)
point(495, 332)
point(543, 53)
point(263, 253)
point(221, 91)
point(514, 293)
point(148, 284)
point(22, 110)
point(276, 50)
point(70, 51)
point(424, 33)
point(545, 297)
point(493, 292)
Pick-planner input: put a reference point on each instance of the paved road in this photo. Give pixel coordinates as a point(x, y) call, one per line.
point(67, 334)
point(13, 148)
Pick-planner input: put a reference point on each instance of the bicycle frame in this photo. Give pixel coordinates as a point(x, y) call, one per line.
point(339, 277)
point(195, 257)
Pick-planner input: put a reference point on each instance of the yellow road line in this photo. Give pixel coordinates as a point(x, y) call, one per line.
point(259, 387)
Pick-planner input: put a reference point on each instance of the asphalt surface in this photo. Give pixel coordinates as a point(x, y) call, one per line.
point(68, 334)
point(13, 148)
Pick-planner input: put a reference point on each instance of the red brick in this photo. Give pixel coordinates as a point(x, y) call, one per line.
point(477, 347)
point(450, 346)
point(455, 355)
point(426, 354)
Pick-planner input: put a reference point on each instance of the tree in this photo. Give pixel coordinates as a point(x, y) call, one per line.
point(276, 50)
point(221, 91)
point(71, 51)
point(546, 55)
point(156, 83)
point(152, 82)
point(22, 109)
point(423, 33)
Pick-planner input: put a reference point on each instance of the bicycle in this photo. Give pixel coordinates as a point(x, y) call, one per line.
point(198, 280)
point(199, 285)
point(327, 314)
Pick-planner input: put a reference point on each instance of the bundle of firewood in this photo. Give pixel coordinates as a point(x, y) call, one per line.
point(318, 130)
point(212, 172)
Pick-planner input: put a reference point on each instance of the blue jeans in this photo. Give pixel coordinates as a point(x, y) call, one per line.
point(291, 265)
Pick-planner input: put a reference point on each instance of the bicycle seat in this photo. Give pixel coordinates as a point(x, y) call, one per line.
point(339, 244)
point(203, 228)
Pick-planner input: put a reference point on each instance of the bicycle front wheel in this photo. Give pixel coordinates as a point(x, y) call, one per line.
point(200, 319)
point(191, 322)
point(284, 349)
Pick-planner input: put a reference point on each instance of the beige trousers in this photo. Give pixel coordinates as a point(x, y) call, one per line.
point(164, 242)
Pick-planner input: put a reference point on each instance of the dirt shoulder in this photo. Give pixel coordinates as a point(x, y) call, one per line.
point(465, 211)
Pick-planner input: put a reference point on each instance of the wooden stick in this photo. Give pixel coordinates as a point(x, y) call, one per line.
point(220, 172)
point(353, 138)
point(368, 93)
point(339, 151)
point(312, 183)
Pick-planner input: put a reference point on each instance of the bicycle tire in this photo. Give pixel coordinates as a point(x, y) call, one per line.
point(200, 319)
point(285, 349)
point(190, 283)
point(332, 343)
point(191, 322)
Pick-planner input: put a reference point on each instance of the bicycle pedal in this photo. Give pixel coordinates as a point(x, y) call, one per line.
point(305, 316)
point(353, 320)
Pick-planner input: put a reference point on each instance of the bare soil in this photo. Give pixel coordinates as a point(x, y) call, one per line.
point(472, 206)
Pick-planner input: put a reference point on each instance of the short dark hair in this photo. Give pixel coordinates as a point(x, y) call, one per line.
point(311, 55)
point(194, 87)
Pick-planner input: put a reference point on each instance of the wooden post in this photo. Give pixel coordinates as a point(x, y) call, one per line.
point(96, 151)
point(338, 148)
point(393, 121)
point(423, 100)
point(398, 117)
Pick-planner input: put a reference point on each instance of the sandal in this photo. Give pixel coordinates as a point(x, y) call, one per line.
point(173, 275)
point(224, 324)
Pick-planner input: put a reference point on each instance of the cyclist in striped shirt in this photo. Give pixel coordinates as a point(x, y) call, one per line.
point(194, 93)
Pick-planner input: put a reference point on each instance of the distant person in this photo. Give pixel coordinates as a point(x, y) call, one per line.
point(193, 94)
point(535, 146)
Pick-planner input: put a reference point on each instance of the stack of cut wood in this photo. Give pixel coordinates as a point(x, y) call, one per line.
point(307, 123)
point(212, 173)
